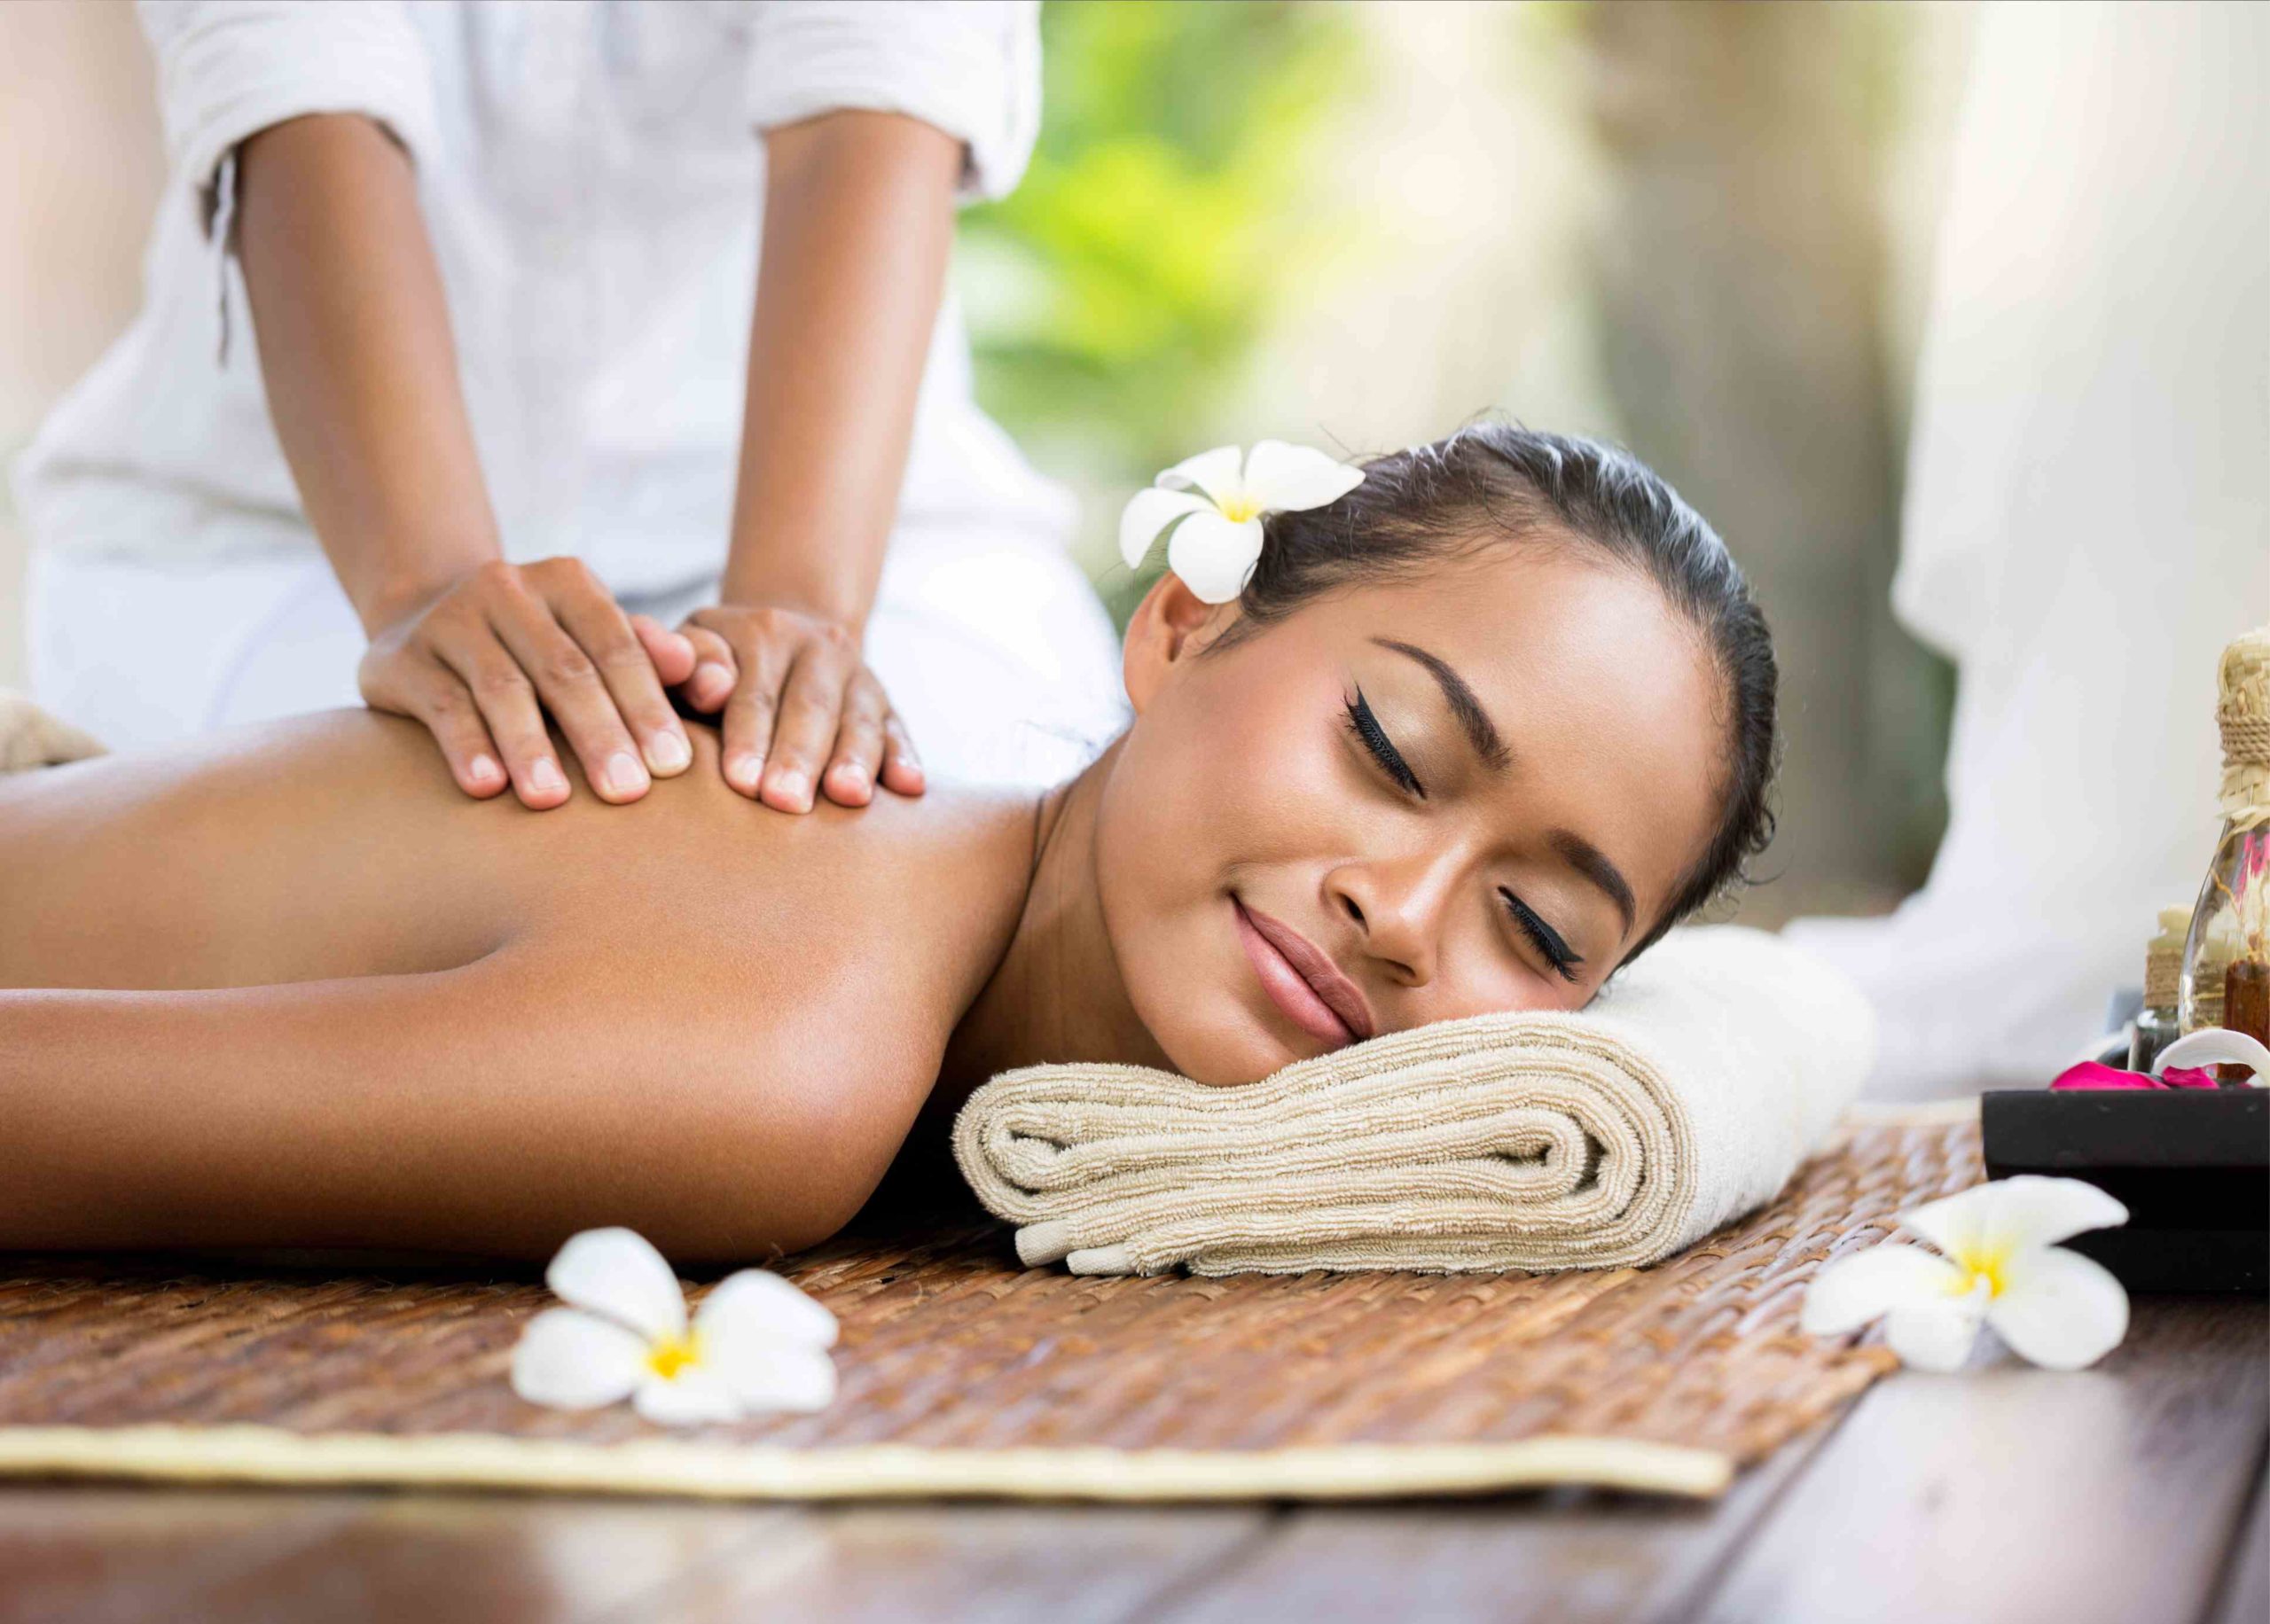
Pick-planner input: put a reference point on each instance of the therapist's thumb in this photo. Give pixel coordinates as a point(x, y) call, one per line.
point(671, 653)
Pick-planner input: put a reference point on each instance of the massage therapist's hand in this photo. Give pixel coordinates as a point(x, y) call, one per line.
point(480, 660)
point(802, 714)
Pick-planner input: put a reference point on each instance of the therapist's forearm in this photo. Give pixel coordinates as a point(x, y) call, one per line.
point(858, 223)
point(361, 368)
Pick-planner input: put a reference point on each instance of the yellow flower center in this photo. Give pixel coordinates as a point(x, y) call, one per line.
point(1987, 1266)
point(670, 1356)
point(1237, 510)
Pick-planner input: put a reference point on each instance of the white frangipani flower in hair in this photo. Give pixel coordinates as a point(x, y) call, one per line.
point(1213, 504)
point(756, 1343)
point(1998, 1264)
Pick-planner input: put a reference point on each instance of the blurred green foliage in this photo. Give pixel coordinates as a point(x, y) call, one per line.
point(1113, 297)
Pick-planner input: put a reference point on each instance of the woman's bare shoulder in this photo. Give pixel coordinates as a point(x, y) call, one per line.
point(903, 906)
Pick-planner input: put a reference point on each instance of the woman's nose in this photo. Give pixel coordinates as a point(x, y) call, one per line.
point(1396, 916)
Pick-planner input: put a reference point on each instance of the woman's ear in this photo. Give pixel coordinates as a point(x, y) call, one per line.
point(1171, 624)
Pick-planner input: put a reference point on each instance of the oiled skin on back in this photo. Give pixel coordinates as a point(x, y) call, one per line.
point(308, 961)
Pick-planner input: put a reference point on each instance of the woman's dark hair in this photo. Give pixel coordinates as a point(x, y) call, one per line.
point(1492, 483)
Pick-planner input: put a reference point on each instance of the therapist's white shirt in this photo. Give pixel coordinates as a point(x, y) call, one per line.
point(592, 175)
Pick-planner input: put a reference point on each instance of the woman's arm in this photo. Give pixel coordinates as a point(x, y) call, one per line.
point(357, 357)
point(494, 1109)
point(362, 377)
point(859, 224)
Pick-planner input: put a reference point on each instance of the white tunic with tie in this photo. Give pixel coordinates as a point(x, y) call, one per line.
point(592, 175)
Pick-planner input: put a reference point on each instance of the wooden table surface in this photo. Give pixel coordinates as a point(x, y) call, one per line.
point(2135, 1492)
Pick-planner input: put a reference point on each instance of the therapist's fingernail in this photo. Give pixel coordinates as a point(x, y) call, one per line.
point(667, 752)
point(790, 786)
point(480, 770)
point(624, 776)
point(544, 776)
point(711, 681)
point(743, 771)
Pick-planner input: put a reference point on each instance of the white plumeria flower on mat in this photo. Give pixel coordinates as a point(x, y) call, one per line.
point(1214, 503)
point(757, 1343)
point(1998, 1264)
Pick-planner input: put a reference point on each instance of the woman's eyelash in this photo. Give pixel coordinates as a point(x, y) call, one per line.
point(1546, 940)
point(1366, 727)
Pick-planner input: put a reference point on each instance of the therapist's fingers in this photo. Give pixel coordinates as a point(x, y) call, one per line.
point(671, 652)
point(506, 703)
point(857, 759)
point(812, 713)
point(605, 635)
point(714, 669)
point(753, 712)
point(429, 693)
point(902, 771)
point(569, 682)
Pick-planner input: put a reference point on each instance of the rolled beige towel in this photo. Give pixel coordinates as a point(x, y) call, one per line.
point(1683, 1096)
point(30, 737)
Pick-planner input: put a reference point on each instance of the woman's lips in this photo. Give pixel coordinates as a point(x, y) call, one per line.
point(1302, 981)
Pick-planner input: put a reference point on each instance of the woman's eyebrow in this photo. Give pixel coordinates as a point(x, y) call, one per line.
point(1480, 732)
point(1589, 860)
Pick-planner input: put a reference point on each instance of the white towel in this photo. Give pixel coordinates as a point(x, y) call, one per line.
point(1684, 1097)
point(30, 737)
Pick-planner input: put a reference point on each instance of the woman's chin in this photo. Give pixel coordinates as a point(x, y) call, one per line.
point(1232, 1052)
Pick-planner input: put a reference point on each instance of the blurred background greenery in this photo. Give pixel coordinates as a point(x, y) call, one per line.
point(1115, 297)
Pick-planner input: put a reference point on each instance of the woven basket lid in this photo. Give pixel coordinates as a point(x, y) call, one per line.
point(2164, 958)
point(2242, 712)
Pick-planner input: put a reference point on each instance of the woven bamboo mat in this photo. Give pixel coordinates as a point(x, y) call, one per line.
point(964, 1374)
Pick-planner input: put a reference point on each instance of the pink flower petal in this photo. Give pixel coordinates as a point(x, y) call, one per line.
point(2089, 1074)
point(2189, 1077)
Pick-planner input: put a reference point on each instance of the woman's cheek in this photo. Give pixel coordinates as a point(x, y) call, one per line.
point(1482, 975)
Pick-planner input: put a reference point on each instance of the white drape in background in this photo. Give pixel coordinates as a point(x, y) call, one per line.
point(2087, 521)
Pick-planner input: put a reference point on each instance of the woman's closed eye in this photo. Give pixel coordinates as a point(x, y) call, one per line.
point(1366, 727)
point(1542, 937)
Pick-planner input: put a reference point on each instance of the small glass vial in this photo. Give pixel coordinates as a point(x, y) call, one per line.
point(2226, 978)
point(2160, 1023)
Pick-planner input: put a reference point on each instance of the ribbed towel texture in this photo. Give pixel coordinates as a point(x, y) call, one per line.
point(1683, 1096)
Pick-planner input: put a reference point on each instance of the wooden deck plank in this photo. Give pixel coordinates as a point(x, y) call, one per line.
point(68, 1551)
point(1566, 1556)
point(2246, 1587)
point(443, 1558)
point(138, 1553)
point(2012, 1492)
point(972, 1565)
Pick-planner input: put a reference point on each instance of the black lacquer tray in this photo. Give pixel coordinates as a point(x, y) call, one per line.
point(2191, 1165)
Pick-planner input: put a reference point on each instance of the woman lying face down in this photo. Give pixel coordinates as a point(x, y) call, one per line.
point(1473, 736)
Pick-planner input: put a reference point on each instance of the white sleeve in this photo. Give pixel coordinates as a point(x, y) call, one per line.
point(970, 67)
point(228, 69)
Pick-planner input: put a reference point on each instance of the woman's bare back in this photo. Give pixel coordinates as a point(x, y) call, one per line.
point(314, 906)
point(336, 844)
